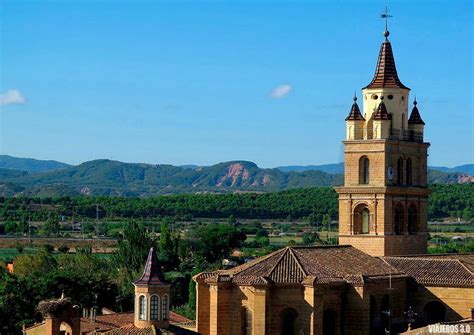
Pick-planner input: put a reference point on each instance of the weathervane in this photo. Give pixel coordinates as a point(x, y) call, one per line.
point(386, 16)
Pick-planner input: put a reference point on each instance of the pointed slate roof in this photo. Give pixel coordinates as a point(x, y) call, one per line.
point(303, 265)
point(381, 113)
point(152, 274)
point(415, 117)
point(355, 114)
point(386, 72)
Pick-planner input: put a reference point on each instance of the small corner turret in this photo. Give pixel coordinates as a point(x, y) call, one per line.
point(355, 122)
point(416, 125)
point(152, 295)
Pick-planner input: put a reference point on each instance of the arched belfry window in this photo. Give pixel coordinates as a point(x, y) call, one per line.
point(154, 307)
point(142, 308)
point(245, 321)
point(400, 171)
point(165, 307)
point(361, 220)
point(364, 170)
point(409, 170)
point(412, 220)
point(398, 220)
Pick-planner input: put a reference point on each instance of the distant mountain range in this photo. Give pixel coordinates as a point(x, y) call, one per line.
point(30, 177)
point(337, 168)
point(29, 164)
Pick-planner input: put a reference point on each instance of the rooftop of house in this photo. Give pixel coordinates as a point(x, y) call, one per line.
point(122, 323)
point(306, 265)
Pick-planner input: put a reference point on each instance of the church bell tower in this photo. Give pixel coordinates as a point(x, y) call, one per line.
point(383, 204)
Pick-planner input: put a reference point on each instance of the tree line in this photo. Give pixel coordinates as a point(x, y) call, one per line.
point(445, 201)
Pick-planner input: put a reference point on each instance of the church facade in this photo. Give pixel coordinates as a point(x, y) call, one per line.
point(380, 278)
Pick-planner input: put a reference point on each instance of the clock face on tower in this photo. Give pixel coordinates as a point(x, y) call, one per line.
point(390, 173)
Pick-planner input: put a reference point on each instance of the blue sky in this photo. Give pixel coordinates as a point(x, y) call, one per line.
point(192, 82)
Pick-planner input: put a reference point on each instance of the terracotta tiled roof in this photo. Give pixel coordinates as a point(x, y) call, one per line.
point(296, 265)
point(117, 320)
point(355, 114)
point(152, 274)
point(381, 113)
point(132, 330)
point(106, 322)
point(415, 117)
point(467, 259)
point(386, 72)
point(430, 270)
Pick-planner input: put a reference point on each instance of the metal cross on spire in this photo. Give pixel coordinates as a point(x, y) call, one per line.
point(386, 16)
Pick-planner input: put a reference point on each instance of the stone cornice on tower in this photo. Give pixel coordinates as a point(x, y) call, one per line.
point(386, 72)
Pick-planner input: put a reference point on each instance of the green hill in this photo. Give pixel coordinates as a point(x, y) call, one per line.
point(29, 164)
point(106, 177)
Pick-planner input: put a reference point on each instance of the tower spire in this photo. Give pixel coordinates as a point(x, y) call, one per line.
point(386, 75)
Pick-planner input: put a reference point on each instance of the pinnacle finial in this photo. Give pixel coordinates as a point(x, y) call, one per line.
point(415, 102)
point(355, 97)
point(386, 16)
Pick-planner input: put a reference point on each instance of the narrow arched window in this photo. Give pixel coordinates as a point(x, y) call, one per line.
point(408, 173)
point(142, 307)
point(412, 220)
point(365, 221)
point(289, 321)
point(165, 306)
point(364, 170)
point(154, 307)
point(361, 220)
point(400, 171)
point(398, 221)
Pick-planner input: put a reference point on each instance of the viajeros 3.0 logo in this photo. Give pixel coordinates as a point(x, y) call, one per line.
point(449, 329)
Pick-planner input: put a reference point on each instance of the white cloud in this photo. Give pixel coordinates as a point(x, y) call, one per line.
point(280, 91)
point(11, 97)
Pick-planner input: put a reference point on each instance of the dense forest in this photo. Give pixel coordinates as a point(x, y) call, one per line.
point(453, 200)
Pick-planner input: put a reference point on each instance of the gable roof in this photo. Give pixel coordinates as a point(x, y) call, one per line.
point(297, 265)
point(437, 270)
point(152, 274)
point(386, 72)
